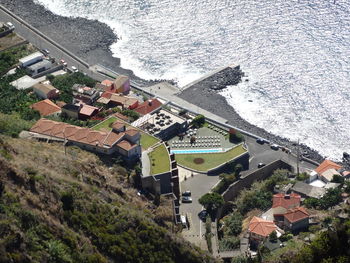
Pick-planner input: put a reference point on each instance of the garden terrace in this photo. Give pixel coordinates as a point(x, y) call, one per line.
point(159, 159)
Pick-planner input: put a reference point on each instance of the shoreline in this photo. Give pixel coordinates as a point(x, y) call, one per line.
point(91, 40)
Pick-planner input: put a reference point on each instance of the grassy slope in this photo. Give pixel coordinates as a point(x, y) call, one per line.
point(160, 157)
point(146, 140)
point(211, 160)
point(72, 208)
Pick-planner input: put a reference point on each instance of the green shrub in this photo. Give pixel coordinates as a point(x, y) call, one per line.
point(229, 243)
point(198, 121)
point(12, 124)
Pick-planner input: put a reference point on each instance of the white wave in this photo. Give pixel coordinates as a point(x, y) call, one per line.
point(296, 54)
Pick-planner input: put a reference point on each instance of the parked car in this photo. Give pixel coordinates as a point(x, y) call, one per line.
point(260, 141)
point(186, 193)
point(45, 51)
point(186, 199)
point(274, 147)
point(74, 69)
point(203, 215)
point(64, 63)
point(261, 165)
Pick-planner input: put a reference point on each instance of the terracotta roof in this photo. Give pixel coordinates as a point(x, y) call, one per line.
point(148, 106)
point(325, 165)
point(46, 107)
point(261, 226)
point(346, 173)
point(75, 133)
point(117, 125)
point(107, 82)
point(296, 214)
point(132, 132)
point(121, 116)
point(124, 100)
point(60, 103)
point(87, 110)
point(46, 88)
point(126, 145)
point(286, 201)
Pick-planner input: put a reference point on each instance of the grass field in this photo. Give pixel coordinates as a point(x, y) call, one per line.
point(159, 159)
point(211, 160)
point(146, 139)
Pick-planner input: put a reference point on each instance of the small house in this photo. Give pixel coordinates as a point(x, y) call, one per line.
point(46, 108)
point(39, 67)
point(71, 111)
point(259, 230)
point(87, 111)
point(84, 94)
point(148, 106)
point(282, 202)
point(296, 219)
point(46, 91)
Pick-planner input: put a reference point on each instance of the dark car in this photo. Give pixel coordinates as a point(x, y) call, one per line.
point(186, 199)
point(186, 193)
point(203, 215)
point(261, 165)
point(260, 141)
point(45, 51)
point(274, 147)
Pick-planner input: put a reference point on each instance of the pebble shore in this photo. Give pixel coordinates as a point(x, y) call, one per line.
point(91, 39)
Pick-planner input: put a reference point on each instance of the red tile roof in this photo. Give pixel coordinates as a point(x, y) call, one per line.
point(126, 145)
point(325, 165)
point(45, 107)
point(107, 82)
point(261, 226)
point(117, 125)
point(132, 132)
point(87, 110)
point(120, 99)
point(286, 201)
point(296, 214)
point(75, 133)
point(148, 106)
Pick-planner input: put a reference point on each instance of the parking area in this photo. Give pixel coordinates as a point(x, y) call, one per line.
point(198, 184)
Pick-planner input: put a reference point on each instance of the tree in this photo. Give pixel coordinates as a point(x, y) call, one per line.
point(235, 136)
point(211, 201)
point(273, 236)
point(338, 179)
point(198, 121)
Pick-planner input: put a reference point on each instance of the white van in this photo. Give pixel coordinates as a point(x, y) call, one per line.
point(183, 221)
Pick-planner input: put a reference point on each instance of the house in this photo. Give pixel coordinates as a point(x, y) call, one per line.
point(282, 202)
point(296, 219)
point(113, 100)
point(327, 176)
point(46, 108)
point(87, 111)
point(71, 111)
point(122, 85)
point(307, 190)
point(148, 106)
point(46, 91)
point(118, 141)
point(259, 229)
point(39, 67)
point(31, 59)
point(326, 165)
point(84, 94)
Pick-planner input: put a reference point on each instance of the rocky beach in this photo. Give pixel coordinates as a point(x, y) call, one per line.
point(91, 39)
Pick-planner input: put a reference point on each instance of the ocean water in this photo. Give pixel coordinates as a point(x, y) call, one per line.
point(295, 53)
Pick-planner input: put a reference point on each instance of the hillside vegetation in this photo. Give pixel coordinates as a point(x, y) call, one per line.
point(72, 208)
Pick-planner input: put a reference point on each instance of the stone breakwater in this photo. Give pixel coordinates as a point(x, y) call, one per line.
point(205, 95)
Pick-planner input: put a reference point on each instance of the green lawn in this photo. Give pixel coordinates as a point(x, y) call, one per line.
point(211, 160)
point(159, 159)
point(146, 139)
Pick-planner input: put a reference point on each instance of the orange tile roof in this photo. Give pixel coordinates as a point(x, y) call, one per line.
point(123, 100)
point(148, 106)
point(296, 214)
point(87, 110)
point(75, 133)
point(286, 201)
point(325, 165)
point(45, 107)
point(117, 125)
point(132, 132)
point(119, 81)
point(107, 82)
point(261, 226)
point(126, 145)
point(121, 116)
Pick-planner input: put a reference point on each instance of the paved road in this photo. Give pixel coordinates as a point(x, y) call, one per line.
point(199, 184)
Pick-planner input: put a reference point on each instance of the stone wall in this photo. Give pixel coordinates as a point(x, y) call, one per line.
point(247, 180)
